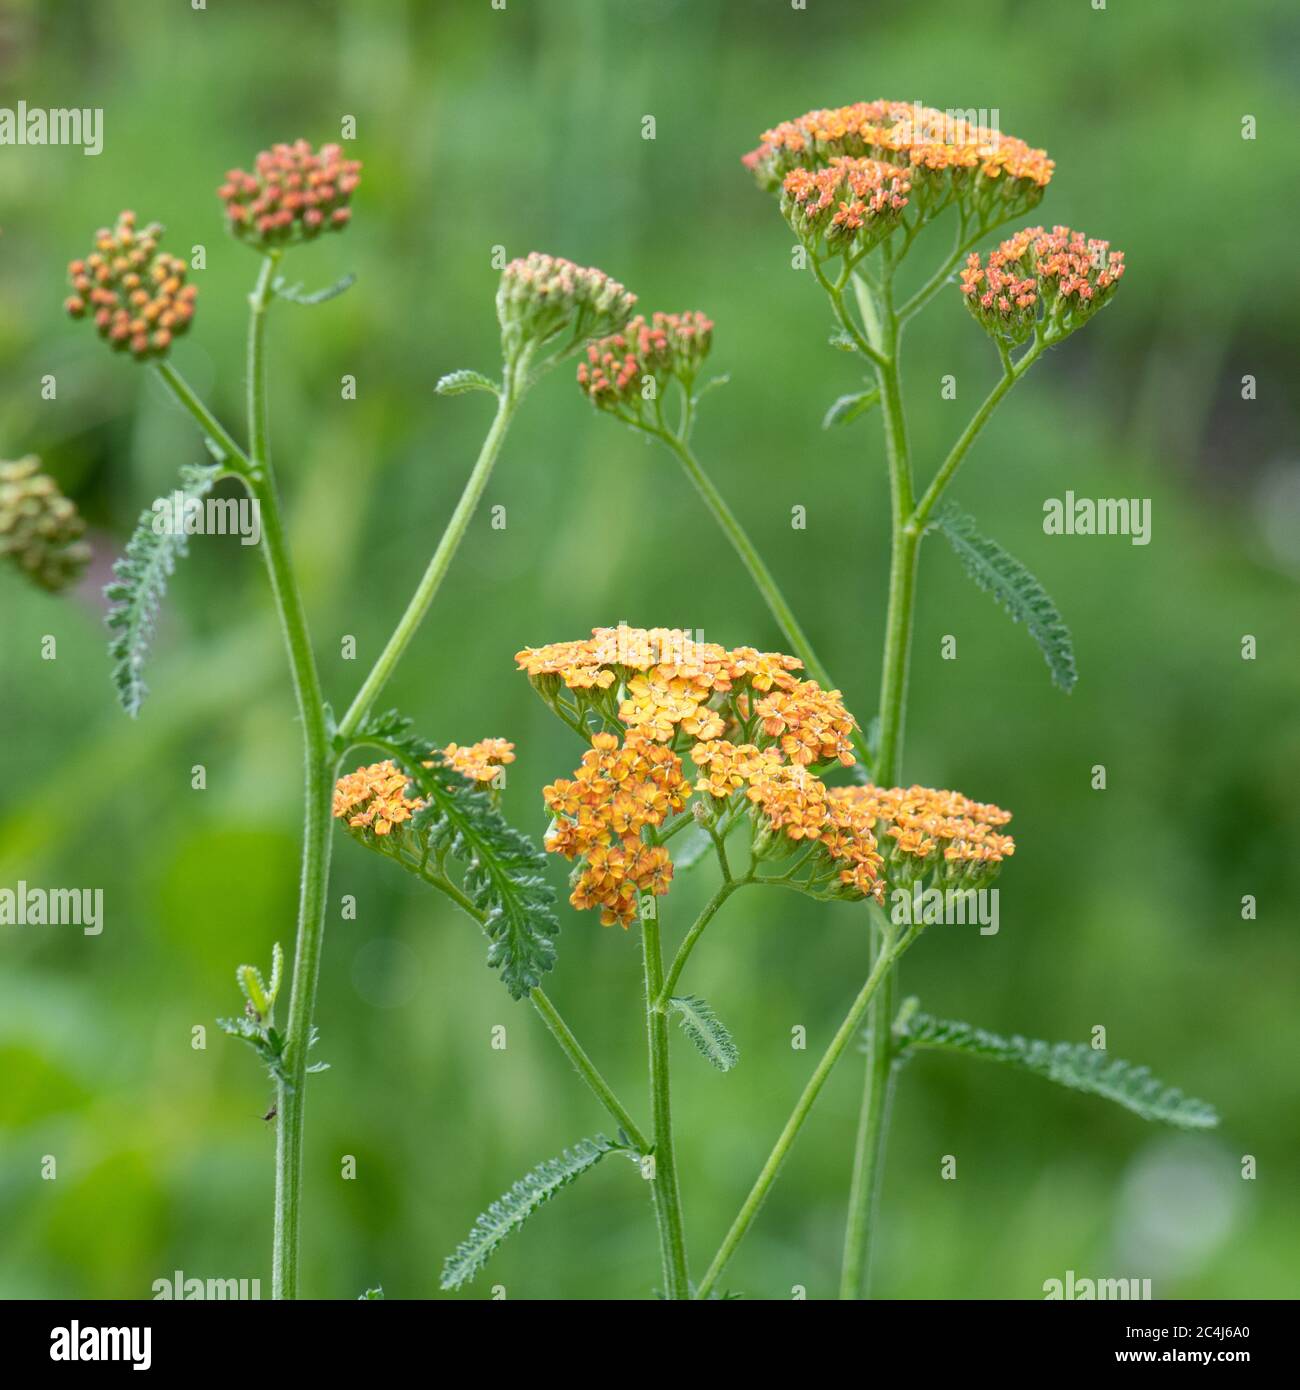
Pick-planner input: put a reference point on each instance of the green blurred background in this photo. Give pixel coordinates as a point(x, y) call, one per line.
point(523, 129)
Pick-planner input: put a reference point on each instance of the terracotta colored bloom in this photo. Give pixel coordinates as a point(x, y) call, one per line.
point(374, 798)
point(294, 194)
point(546, 301)
point(135, 293)
point(479, 761)
point(727, 767)
point(1059, 277)
point(923, 830)
point(847, 207)
point(616, 792)
point(624, 371)
point(801, 812)
point(40, 529)
point(811, 724)
point(949, 155)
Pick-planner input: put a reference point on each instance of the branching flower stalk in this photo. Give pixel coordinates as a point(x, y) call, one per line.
point(767, 732)
point(138, 299)
point(857, 186)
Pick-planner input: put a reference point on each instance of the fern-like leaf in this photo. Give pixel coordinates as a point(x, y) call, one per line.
point(706, 1030)
point(511, 1210)
point(295, 294)
point(1075, 1065)
point(1012, 585)
point(848, 408)
point(503, 873)
point(136, 593)
point(457, 383)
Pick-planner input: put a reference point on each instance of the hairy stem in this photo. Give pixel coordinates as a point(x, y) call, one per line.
point(752, 560)
point(844, 1035)
point(728, 887)
point(667, 1196)
point(439, 564)
point(551, 1016)
point(586, 1068)
point(207, 421)
point(868, 1157)
point(1012, 374)
point(767, 586)
point(319, 768)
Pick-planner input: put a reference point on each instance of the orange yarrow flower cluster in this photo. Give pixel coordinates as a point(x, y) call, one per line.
point(663, 691)
point(728, 767)
point(756, 733)
point(479, 761)
point(598, 662)
point(811, 724)
point(617, 791)
point(374, 798)
point(848, 206)
point(797, 805)
point(927, 829)
point(1061, 273)
point(617, 368)
point(294, 194)
point(136, 293)
point(947, 155)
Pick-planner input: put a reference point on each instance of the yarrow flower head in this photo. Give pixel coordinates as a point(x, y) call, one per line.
point(135, 293)
point(759, 737)
point(40, 529)
point(848, 207)
point(548, 302)
point(949, 156)
point(1059, 278)
point(628, 370)
point(745, 719)
point(618, 790)
point(294, 194)
point(923, 832)
point(481, 761)
point(374, 798)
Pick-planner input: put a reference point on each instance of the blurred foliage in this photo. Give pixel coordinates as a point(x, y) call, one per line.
point(523, 128)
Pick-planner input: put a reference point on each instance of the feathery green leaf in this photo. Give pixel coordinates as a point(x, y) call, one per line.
point(502, 871)
point(457, 383)
point(1076, 1065)
point(136, 594)
point(296, 295)
point(847, 409)
point(1012, 585)
point(706, 1030)
point(511, 1210)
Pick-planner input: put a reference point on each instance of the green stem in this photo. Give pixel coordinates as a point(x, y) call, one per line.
point(667, 1197)
point(868, 1156)
point(907, 529)
point(752, 560)
point(968, 436)
point(903, 548)
point(843, 1036)
point(319, 769)
point(873, 1120)
point(586, 1068)
point(441, 561)
point(548, 1013)
point(665, 993)
point(207, 421)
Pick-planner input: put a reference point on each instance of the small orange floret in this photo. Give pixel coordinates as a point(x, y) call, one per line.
point(374, 798)
point(479, 761)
